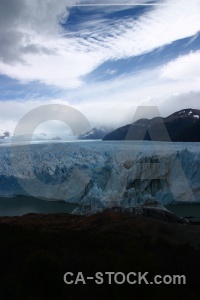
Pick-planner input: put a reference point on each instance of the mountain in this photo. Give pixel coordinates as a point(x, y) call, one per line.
point(94, 134)
point(189, 134)
point(182, 126)
point(5, 134)
point(6, 137)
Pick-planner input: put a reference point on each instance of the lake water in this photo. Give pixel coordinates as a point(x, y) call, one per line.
point(21, 205)
point(185, 210)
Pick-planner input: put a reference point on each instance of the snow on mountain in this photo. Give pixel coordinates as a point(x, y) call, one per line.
point(94, 134)
point(189, 112)
point(102, 175)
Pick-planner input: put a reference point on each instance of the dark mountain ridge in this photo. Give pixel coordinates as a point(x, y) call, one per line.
point(181, 126)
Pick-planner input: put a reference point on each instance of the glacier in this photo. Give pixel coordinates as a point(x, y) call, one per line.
point(102, 174)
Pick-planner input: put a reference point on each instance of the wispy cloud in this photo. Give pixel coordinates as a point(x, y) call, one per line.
point(42, 50)
point(113, 103)
point(185, 68)
point(37, 44)
point(111, 72)
point(112, 113)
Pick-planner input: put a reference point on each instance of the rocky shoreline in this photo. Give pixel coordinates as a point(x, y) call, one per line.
point(152, 222)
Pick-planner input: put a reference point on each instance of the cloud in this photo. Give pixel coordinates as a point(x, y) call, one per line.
point(112, 113)
point(131, 37)
point(34, 47)
point(111, 72)
point(22, 21)
point(184, 68)
point(112, 103)
point(138, 86)
point(13, 111)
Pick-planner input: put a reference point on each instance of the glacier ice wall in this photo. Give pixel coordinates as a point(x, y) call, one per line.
point(97, 175)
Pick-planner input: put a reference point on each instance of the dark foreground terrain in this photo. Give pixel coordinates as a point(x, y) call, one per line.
point(36, 250)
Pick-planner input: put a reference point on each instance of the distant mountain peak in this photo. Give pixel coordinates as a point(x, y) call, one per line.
point(5, 134)
point(94, 134)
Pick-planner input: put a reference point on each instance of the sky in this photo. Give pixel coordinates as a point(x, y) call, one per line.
point(103, 59)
